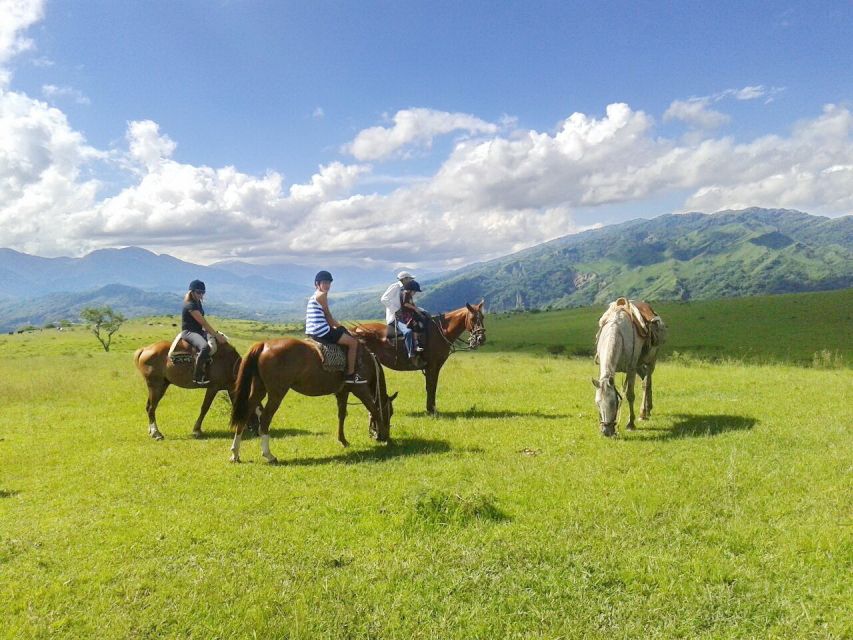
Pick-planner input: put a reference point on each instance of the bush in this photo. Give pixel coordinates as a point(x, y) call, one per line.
point(556, 349)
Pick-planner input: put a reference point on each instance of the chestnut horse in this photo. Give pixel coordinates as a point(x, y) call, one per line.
point(443, 332)
point(159, 372)
point(274, 367)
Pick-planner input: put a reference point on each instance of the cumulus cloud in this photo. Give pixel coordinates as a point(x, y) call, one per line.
point(18, 16)
point(413, 126)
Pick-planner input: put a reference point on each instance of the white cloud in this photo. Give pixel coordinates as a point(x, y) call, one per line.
point(18, 16)
point(51, 91)
point(413, 126)
point(147, 147)
point(42, 167)
point(695, 112)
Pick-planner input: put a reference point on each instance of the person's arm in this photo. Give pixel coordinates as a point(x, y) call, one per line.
point(220, 338)
point(322, 298)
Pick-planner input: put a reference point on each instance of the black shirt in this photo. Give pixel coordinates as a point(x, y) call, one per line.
point(188, 323)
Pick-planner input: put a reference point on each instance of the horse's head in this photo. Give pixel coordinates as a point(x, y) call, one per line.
point(474, 324)
point(608, 400)
point(382, 432)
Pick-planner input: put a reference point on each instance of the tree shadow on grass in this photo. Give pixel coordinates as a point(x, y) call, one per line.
point(473, 412)
point(698, 426)
point(401, 448)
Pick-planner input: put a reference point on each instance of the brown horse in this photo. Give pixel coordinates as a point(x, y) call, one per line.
point(159, 372)
point(274, 367)
point(442, 334)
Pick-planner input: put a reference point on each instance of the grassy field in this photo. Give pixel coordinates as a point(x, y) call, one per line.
point(795, 329)
point(728, 515)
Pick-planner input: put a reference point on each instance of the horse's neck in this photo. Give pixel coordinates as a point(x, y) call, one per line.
point(455, 323)
point(609, 348)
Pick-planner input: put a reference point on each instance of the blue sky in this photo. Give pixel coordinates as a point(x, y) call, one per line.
point(430, 134)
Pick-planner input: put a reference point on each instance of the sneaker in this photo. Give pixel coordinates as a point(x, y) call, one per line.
point(354, 378)
point(419, 349)
point(201, 383)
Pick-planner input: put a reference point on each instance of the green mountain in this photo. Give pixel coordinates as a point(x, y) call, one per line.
point(671, 257)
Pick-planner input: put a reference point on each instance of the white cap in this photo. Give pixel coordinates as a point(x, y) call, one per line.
point(405, 274)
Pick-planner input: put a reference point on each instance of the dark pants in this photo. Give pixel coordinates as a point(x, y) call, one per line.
point(198, 341)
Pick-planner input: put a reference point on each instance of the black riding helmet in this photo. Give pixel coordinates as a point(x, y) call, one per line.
point(412, 285)
point(321, 276)
point(197, 285)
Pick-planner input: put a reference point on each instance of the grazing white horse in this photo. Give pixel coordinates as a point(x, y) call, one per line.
point(629, 335)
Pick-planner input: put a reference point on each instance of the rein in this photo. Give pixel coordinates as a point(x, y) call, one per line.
point(475, 331)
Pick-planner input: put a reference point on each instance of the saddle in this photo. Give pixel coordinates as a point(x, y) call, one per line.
point(649, 324)
point(333, 356)
point(182, 351)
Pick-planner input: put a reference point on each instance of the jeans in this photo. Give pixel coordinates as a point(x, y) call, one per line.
point(408, 336)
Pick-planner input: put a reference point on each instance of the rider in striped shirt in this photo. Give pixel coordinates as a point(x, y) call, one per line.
point(321, 326)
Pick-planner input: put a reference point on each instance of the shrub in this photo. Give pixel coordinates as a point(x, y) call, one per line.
point(556, 349)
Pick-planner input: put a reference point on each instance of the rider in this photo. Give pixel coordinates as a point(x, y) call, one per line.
point(195, 329)
point(410, 315)
point(322, 327)
point(393, 301)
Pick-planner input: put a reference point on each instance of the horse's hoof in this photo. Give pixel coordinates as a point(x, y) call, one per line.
point(197, 434)
point(344, 443)
point(235, 459)
point(272, 460)
point(631, 426)
point(156, 435)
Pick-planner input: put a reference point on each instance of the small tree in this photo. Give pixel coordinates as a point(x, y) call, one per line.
point(102, 321)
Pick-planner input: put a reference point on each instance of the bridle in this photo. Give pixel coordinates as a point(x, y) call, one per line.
point(612, 423)
point(473, 326)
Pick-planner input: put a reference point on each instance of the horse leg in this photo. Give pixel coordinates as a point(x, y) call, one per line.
point(341, 397)
point(155, 394)
point(630, 379)
point(646, 411)
point(431, 388)
point(273, 402)
point(255, 397)
point(209, 395)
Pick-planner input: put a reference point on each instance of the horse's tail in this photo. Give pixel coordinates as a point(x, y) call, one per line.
point(248, 372)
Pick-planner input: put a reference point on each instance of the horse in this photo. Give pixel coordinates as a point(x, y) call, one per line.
point(273, 367)
point(159, 372)
point(628, 339)
point(443, 333)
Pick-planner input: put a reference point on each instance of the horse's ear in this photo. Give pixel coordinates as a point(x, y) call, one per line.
point(394, 397)
point(470, 308)
point(596, 383)
point(480, 306)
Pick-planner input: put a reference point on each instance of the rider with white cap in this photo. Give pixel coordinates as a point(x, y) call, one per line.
point(393, 301)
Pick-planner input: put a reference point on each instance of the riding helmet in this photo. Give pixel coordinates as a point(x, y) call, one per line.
point(197, 285)
point(321, 276)
point(412, 285)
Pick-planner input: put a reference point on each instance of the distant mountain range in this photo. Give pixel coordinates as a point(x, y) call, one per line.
point(671, 257)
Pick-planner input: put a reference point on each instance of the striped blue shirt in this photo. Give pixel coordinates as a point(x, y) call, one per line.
point(315, 320)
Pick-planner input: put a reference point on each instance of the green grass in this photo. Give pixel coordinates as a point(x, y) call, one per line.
point(802, 329)
point(728, 515)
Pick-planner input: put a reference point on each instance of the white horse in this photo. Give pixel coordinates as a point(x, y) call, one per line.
point(628, 338)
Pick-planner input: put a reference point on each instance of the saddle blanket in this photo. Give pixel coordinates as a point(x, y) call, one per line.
point(334, 357)
point(648, 323)
point(182, 351)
